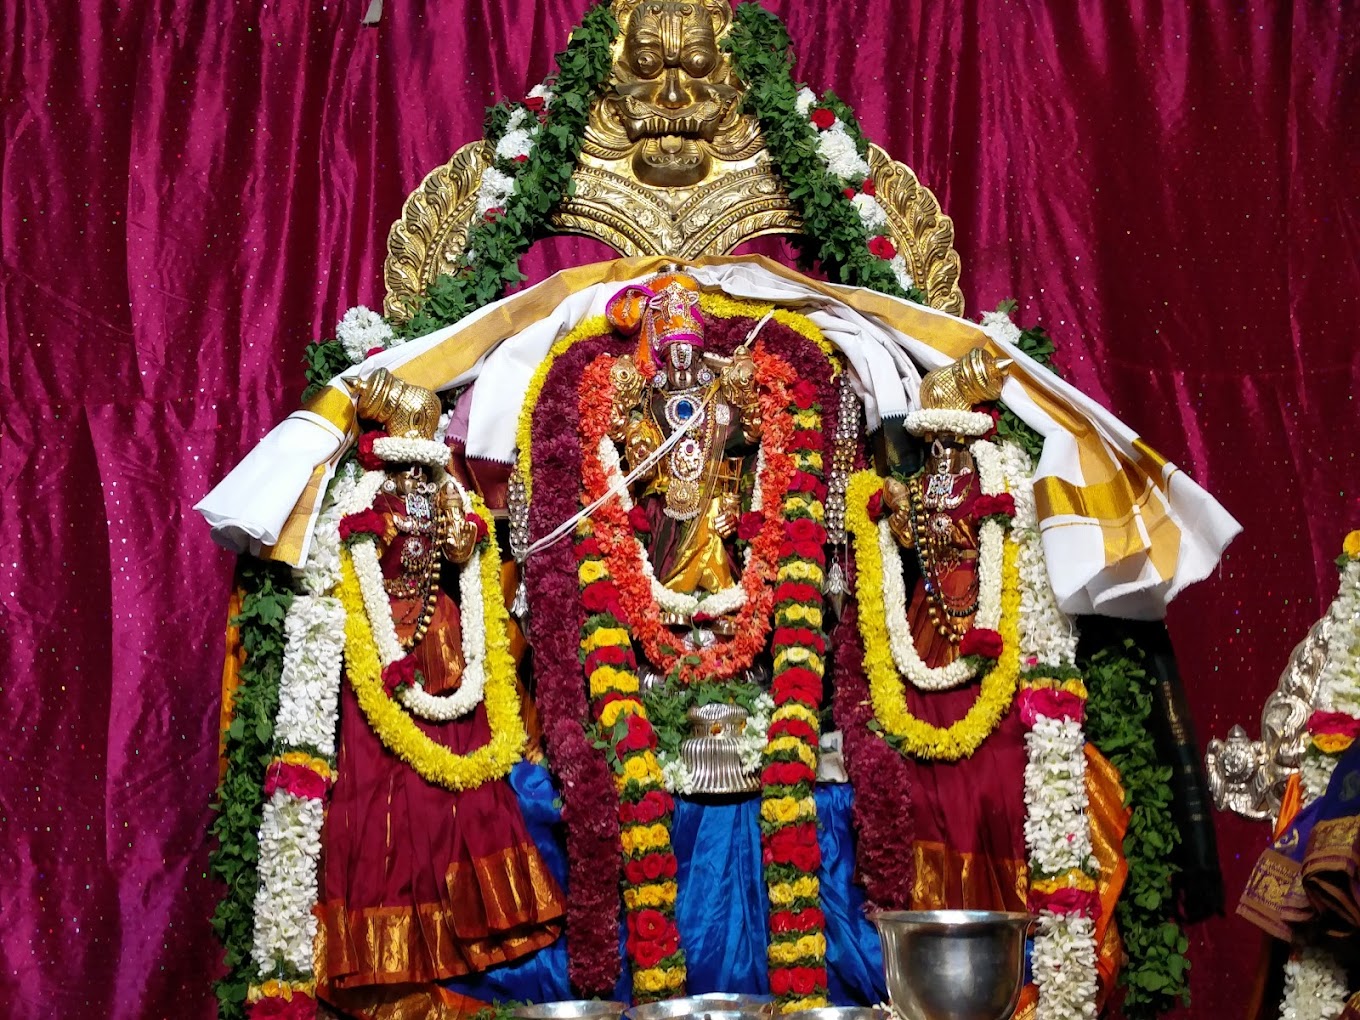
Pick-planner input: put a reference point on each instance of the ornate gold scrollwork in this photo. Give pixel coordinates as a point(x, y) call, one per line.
point(669, 166)
point(433, 229)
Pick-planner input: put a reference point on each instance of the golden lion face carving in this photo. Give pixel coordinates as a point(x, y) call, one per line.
point(673, 105)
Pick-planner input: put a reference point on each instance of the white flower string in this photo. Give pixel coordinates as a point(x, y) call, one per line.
point(284, 926)
point(1315, 984)
point(990, 540)
point(1057, 827)
point(400, 450)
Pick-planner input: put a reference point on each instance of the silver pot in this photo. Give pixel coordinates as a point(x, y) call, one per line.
point(953, 964)
point(840, 1013)
point(572, 1009)
point(715, 1005)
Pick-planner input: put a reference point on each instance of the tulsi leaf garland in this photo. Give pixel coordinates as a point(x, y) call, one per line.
point(833, 233)
point(1120, 703)
point(240, 797)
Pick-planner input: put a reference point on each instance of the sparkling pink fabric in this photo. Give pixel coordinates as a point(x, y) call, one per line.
point(193, 190)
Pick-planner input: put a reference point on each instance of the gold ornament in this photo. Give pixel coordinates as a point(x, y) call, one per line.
point(975, 378)
point(407, 411)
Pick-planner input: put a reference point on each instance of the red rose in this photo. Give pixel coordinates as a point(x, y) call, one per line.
point(804, 394)
point(882, 246)
point(521, 158)
point(748, 525)
point(823, 118)
point(793, 728)
point(850, 193)
point(876, 506)
point(781, 981)
point(806, 439)
point(799, 675)
point(996, 418)
point(868, 187)
point(1045, 701)
point(533, 103)
point(653, 866)
point(476, 521)
point(298, 780)
point(601, 597)
point(804, 482)
point(365, 522)
point(637, 517)
point(638, 735)
point(808, 693)
point(1002, 504)
point(587, 548)
point(1067, 901)
point(649, 924)
point(804, 980)
point(983, 642)
point(786, 636)
point(655, 805)
point(609, 655)
point(796, 591)
point(632, 870)
point(796, 845)
point(1338, 723)
point(805, 529)
point(492, 213)
point(373, 350)
point(368, 460)
point(645, 954)
point(399, 674)
point(786, 773)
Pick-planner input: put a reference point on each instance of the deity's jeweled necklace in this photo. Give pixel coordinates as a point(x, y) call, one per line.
point(419, 559)
point(930, 498)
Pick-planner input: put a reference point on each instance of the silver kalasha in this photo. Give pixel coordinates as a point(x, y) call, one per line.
point(713, 754)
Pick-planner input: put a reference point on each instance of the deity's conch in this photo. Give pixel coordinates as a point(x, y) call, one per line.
point(1124, 530)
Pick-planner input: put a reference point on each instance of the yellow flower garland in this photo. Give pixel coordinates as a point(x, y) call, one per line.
point(886, 691)
point(396, 729)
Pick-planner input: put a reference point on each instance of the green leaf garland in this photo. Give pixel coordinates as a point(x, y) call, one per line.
point(240, 796)
point(1156, 977)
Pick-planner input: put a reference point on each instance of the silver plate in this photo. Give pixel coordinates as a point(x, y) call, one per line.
point(572, 1009)
point(717, 1005)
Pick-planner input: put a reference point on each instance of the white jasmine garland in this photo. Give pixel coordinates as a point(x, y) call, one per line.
point(1064, 967)
point(290, 845)
point(1314, 986)
point(676, 776)
point(368, 571)
point(309, 685)
point(990, 541)
point(360, 330)
point(1057, 824)
point(1047, 635)
point(939, 419)
point(998, 326)
point(438, 708)
point(805, 101)
point(398, 450)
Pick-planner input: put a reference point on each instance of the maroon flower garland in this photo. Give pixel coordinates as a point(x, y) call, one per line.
point(882, 815)
point(589, 800)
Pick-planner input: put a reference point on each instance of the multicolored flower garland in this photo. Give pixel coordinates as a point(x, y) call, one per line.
point(1315, 983)
point(911, 735)
point(645, 808)
point(788, 812)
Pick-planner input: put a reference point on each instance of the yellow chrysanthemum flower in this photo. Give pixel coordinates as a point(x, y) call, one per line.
point(1351, 545)
point(609, 715)
point(591, 571)
point(605, 679)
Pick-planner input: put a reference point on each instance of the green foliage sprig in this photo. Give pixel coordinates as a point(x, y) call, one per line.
point(240, 797)
point(1118, 708)
point(833, 234)
point(1035, 342)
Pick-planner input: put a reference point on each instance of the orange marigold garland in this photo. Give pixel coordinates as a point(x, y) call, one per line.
point(788, 812)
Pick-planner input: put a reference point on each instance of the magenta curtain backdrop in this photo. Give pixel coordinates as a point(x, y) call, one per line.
point(194, 190)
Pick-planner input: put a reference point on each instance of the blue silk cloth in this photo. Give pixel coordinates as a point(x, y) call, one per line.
point(722, 909)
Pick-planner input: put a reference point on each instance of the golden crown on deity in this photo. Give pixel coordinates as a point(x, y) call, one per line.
point(409, 413)
point(664, 309)
point(950, 392)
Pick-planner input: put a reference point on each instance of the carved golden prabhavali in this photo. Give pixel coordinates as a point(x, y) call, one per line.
point(669, 166)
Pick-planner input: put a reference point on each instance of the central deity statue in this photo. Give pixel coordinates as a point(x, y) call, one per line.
point(687, 424)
